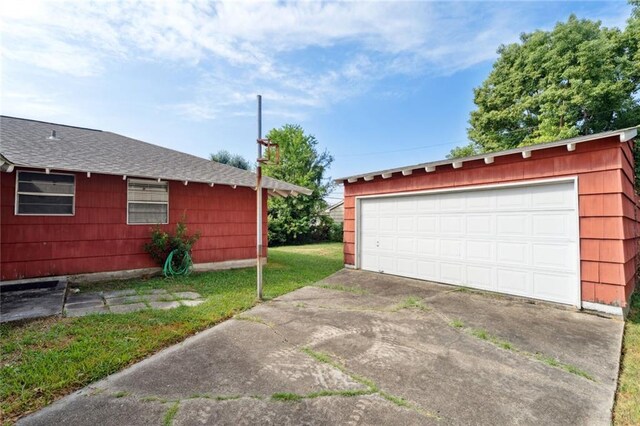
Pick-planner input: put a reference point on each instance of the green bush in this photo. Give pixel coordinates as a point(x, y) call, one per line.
point(163, 243)
point(336, 232)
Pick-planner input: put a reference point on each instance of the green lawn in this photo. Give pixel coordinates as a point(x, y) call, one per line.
point(627, 407)
point(44, 359)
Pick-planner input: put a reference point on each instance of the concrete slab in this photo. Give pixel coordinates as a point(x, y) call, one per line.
point(32, 302)
point(118, 293)
point(124, 300)
point(89, 408)
point(164, 305)
point(80, 312)
point(191, 302)
point(187, 295)
point(132, 307)
point(364, 356)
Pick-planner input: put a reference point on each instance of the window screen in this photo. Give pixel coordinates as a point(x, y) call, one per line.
point(44, 194)
point(148, 202)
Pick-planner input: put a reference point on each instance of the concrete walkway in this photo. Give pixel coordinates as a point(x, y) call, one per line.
point(122, 301)
point(361, 348)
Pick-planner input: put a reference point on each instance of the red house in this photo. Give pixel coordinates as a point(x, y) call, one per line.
point(557, 222)
point(81, 202)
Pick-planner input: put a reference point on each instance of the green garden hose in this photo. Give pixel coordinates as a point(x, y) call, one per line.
point(183, 269)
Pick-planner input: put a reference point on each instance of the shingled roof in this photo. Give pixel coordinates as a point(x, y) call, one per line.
point(29, 143)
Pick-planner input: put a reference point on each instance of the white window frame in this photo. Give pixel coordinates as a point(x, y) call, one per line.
point(18, 192)
point(147, 202)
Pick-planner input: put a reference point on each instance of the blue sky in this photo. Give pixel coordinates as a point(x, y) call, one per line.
point(380, 84)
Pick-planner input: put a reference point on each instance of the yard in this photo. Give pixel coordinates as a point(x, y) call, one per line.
point(627, 406)
point(45, 359)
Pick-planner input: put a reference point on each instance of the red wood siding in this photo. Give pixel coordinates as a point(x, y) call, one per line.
point(97, 238)
point(607, 205)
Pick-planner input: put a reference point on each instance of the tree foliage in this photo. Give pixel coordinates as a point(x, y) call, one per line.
point(578, 79)
point(235, 160)
point(296, 220)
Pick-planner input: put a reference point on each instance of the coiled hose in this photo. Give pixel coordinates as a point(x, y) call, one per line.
point(183, 269)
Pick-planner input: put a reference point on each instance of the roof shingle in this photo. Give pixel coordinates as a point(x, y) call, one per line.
point(27, 143)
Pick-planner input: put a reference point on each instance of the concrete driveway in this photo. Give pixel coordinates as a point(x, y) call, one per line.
point(363, 348)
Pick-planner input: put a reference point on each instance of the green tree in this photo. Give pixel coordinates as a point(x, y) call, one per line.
point(580, 78)
point(295, 220)
point(235, 160)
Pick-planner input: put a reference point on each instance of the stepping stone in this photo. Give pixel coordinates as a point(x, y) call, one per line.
point(80, 312)
point(83, 297)
point(164, 305)
point(121, 309)
point(118, 293)
point(160, 297)
point(85, 304)
point(158, 291)
point(191, 302)
point(124, 300)
point(187, 295)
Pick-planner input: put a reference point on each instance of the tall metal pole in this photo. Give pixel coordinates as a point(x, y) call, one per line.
point(259, 203)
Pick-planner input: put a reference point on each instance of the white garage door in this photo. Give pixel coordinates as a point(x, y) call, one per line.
point(520, 240)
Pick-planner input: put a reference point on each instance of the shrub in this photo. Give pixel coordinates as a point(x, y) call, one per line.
point(163, 243)
point(336, 232)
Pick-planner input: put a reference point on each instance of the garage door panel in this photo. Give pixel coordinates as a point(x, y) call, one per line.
point(452, 273)
point(513, 198)
point(387, 224)
point(512, 225)
point(555, 256)
point(556, 196)
point(427, 204)
point(480, 251)
point(552, 225)
point(451, 202)
point(427, 247)
point(549, 286)
point(427, 224)
point(406, 267)
point(513, 281)
point(479, 225)
point(520, 240)
point(480, 277)
point(386, 243)
point(406, 224)
point(514, 253)
point(387, 264)
point(452, 225)
point(428, 270)
point(481, 200)
point(406, 245)
point(451, 249)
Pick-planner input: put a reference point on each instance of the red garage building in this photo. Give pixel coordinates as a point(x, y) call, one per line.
point(78, 201)
point(554, 221)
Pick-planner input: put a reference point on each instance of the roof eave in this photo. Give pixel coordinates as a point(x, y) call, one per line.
point(8, 166)
point(624, 135)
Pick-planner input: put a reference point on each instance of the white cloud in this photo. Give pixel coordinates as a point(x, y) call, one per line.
point(301, 55)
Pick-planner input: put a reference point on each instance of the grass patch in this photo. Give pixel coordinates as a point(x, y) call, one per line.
point(483, 334)
point(372, 387)
point(338, 287)
point(456, 323)
point(626, 410)
point(553, 362)
point(45, 359)
point(412, 302)
point(287, 397)
point(171, 414)
point(121, 394)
